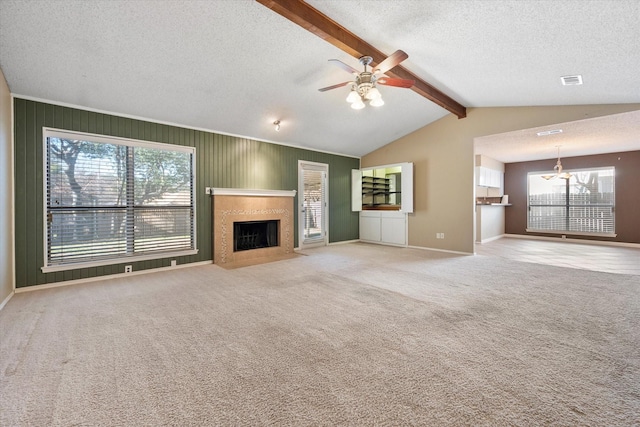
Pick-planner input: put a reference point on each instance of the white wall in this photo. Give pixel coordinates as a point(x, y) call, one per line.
point(6, 189)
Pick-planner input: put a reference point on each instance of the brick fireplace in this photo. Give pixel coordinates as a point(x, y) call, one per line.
point(234, 208)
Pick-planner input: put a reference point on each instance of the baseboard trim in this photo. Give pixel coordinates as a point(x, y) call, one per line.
point(491, 239)
point(344, 242)
point(107, 277)
point(395, 245)
point(440, 250)
point(6, 300)
point(583, 241)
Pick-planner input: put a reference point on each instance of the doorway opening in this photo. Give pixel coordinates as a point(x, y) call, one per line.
point(312, 212)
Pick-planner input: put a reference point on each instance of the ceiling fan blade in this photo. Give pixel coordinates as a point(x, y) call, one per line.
point(347, 68)
point(391, 61)
point(390, 81)
point(324, 89)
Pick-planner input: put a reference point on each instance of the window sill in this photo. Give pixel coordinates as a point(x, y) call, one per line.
point(571, 233)
point(124, 260)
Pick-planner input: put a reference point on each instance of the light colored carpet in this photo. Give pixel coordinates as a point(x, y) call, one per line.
point(352, 334)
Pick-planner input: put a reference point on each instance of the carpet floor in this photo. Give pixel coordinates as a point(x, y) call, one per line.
point(351, 334)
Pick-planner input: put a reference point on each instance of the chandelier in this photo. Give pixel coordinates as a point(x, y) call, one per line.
point(558, 170)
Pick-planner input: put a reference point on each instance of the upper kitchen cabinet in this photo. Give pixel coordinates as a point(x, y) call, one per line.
point(387, 187)
point(486, 177)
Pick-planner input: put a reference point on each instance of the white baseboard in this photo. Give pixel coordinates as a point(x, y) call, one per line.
point(6, 300)
point(491, 239)
point(344, 242)
point(440, 250)
point(373, 242)
point(582, 241)
point(107, 277)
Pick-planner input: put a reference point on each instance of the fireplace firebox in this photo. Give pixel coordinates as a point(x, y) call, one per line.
point(249, 235)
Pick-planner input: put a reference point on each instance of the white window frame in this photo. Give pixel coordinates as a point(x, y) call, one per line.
point(570, 232)
point(66, 134)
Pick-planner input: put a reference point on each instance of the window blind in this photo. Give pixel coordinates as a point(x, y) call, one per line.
point(111, 199)
point(585, 203)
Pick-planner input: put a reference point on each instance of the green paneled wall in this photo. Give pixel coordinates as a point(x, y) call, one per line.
point(221, 161)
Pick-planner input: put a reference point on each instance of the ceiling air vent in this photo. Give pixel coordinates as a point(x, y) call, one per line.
point(549, 132)
point(571, 80)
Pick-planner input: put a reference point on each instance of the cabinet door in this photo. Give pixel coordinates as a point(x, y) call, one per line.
point(407, 188)
point(393, 228)
point(356, 190)
point(483, 178)
point(370, 226)
point(496, 178)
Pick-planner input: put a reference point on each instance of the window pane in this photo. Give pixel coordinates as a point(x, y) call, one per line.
point(591, 219)
point(84, 173)
point(169, 229)
point(78, 235)
point(592, 187)
point(162, 177)
point(546, 192)
point(547, 217)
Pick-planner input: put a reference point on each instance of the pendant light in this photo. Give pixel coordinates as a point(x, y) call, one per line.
point(558, 169)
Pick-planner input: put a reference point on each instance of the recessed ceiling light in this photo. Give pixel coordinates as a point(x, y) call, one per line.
point(549, 132)
point(571, 80)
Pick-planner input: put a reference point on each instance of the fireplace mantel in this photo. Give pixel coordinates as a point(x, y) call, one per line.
point(251, 192)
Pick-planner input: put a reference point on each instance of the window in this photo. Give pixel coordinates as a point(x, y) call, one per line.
point(582, 204)
point(111, 200)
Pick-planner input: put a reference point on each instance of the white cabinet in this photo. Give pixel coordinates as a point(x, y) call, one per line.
point(486, 177)
point(383, 195)
point(386, 227)
point(370, 226)
point(383, 187)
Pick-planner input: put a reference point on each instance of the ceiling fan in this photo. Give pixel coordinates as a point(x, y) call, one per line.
point(364, 87)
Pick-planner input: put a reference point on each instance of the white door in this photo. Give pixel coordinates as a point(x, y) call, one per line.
point(312, 200)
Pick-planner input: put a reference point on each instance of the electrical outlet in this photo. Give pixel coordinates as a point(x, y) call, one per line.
point(439, 235)
point(173, 263)
point(207, 190)
point(128, 268)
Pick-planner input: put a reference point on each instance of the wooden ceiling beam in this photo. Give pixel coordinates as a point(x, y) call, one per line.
point(324, 27)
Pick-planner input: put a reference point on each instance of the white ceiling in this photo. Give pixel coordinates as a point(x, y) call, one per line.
point(235, 66)
point(608, 134)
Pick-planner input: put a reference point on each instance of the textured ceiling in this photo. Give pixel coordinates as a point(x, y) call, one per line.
point(235, 66)
point(614, 133)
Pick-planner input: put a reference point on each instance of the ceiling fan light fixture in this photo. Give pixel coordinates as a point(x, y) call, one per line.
point(358, 105)
point(353, 96)
point(373, 93)
point(363, 88)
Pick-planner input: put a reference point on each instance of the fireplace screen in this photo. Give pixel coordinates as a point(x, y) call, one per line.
point(255, 235)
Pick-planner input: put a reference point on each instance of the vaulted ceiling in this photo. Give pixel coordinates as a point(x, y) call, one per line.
point(235, 67)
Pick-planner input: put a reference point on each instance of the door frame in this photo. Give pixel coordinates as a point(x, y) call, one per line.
point(323, 167)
